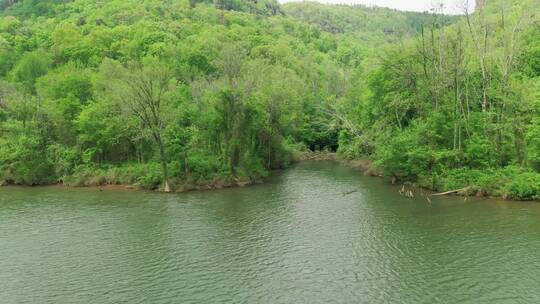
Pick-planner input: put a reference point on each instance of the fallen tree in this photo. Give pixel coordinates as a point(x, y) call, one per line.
point(457, 191)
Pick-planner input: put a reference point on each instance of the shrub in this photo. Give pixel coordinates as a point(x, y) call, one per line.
point(525, 186)
point(145, 176)
point(479, 153)
point(23, 162)
point(65, 159)
point(510, 182)
point(203, 167)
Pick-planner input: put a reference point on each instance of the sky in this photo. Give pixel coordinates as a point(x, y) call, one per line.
point(450, 6)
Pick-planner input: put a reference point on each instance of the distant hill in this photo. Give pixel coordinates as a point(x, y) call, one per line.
point(480, 4)
point(47, 7)
point(368, 24)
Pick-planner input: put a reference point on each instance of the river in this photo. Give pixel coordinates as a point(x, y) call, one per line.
point(295, 239)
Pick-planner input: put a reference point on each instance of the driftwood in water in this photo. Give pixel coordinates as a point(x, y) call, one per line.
point(409, 194)
point(349, 192)
point(406, 193)
point(318, 155)
point(450, 192)
point(312, 157)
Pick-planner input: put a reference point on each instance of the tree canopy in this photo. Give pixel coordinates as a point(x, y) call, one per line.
point(218, 92)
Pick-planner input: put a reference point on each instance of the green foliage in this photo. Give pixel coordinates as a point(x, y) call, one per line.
point(30, 7)
point(525, 186)
point(124, 92)
point(29, 68)
point(533, 138)
point(444, 112)
point(530, 58)
point(367, 24)
point(205, 89)
point(145, 176)
point(204, 167)
point(23, 161)
point(479, 153)
point(64, 159)
point(511, 182)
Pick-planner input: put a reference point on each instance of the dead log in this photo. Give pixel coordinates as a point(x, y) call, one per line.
point(450, 192)
point(349, 192)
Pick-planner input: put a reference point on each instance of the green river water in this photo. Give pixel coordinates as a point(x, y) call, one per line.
point(295, 239)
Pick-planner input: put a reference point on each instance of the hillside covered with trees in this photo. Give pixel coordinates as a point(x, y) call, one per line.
point(370, 26)
point(456, 107)
point(159, 92)
point(171, 94)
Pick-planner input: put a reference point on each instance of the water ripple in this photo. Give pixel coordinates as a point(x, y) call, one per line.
point(295, 239)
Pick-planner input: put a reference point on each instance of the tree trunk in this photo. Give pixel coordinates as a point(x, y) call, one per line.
point(186, 165)
point(163, 157)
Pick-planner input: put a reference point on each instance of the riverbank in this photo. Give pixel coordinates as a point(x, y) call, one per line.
point(176, 188)
point(141, 177)
point(314, 155)
point(509, 183)
point(148, 177)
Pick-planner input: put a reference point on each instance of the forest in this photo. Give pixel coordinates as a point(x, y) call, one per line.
point(176, 95)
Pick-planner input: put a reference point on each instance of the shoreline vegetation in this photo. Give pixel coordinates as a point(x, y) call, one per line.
point(129, 177)
point(117, 178)
point(488, 185)
point(510, 183)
